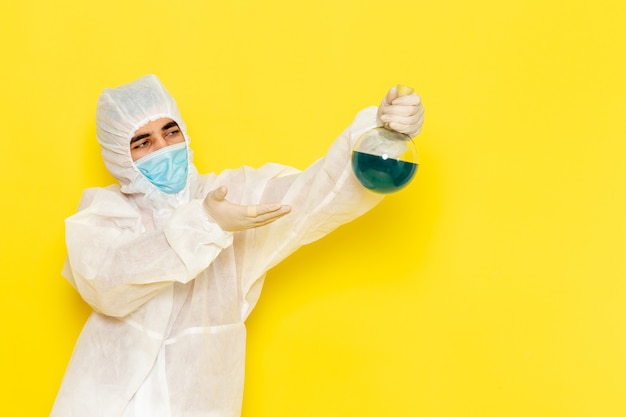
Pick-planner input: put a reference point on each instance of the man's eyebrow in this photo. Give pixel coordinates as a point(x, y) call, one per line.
point(169, 125)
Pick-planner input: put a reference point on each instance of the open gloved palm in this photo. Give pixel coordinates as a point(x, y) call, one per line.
point(235, 217)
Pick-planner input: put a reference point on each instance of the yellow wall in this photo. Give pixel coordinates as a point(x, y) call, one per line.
point(493, 286)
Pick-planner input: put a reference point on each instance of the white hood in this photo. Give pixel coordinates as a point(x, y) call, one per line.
point(120, 112)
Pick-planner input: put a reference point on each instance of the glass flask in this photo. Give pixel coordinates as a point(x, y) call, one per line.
point(384, 160)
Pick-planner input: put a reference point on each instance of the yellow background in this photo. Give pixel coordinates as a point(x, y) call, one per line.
point(492, 286)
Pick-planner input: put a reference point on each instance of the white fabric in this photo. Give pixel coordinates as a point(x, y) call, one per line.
point(171, 290)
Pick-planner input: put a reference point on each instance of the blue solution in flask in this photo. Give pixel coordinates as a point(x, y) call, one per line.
point(380, 173)
point(384, 160)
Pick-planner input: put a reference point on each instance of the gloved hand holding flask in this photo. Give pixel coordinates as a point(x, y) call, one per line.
point(384, 159)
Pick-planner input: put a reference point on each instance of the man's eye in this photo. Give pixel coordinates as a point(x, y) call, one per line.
point(141, 145)
point(173, 132)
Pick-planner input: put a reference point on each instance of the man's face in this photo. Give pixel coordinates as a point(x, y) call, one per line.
point(153, 136)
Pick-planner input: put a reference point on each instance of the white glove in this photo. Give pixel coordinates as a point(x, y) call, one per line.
point(234, 217)
point(403, 114)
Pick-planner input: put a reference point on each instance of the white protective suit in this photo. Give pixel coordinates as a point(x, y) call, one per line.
point(170, 289)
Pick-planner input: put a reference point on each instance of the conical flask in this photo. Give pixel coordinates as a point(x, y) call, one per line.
point(384, 160)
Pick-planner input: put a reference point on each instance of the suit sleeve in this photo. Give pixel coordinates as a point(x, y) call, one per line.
point(116, 264)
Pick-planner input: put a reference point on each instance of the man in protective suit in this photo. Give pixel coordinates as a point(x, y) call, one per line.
point(172, 262)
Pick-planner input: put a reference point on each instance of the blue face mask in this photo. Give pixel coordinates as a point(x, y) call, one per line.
point(166, 168)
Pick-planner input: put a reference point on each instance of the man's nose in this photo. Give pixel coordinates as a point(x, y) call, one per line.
point(159, 142)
